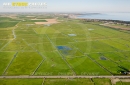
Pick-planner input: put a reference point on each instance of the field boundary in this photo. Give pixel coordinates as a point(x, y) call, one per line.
point(14, 34)
point(38, 66)
point(10, 63)
point(5, 45)
point(62, 56)
point(35, 31)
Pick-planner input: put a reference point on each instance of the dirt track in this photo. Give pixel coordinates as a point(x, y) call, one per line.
point(27, 76)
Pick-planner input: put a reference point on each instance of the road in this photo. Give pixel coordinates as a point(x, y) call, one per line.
point(55, 77)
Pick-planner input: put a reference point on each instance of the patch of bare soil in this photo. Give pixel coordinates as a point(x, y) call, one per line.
point(30, 16)
point(49, 21)
point(113, 81)
point(125, 80)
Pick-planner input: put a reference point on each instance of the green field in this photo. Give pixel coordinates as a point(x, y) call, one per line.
point(7, 24)
point(70, 47)
point(5, 59)
point(24, 63)
point(21, 81)
point(102, 81)
point(6, 34)
point(80, 46)
point(68, 82)
point(74, 81)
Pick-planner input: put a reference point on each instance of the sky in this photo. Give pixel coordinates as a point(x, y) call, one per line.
point(72, 6)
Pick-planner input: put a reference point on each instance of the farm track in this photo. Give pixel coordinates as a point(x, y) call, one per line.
point(14, 34)
point(56, 77)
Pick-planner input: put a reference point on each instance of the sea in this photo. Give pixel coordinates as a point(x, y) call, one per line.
point(107, 16)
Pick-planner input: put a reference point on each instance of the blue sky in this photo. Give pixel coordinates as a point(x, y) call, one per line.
point(74, 6)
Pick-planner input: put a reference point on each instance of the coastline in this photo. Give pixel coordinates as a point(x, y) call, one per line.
point(104, 16)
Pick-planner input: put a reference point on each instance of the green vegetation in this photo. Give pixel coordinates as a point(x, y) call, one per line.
point(5, 59)
point(2, 43)
point(68, 82)
point(21, 81)
point(7, 24)
point(102, 81)
point(60, 82)
point(87, 44)
point(6, 34)
point(25, 63)
point(35, 21)
point(2, 19)
point(84, 49)
point(53, 65)
point(17, 45)
point(79, 63)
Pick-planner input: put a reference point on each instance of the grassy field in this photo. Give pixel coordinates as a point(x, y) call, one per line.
point(68, 82)
point(24, 63)
point(5, 59)
point(104, 61)
point(66, 48)
point(17, 45)
point(21, 81)
point(3, 43)
point(54, 64)
point(6, 34)
point(7, 24)
point(60, 82)
point(83, 44)
point(122, 83)
point(102, 81)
